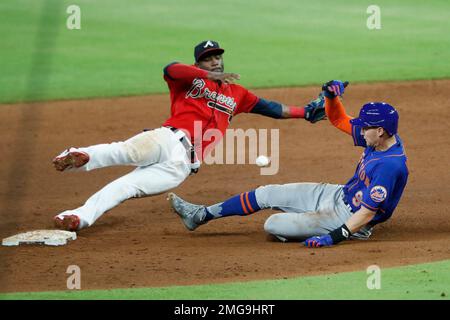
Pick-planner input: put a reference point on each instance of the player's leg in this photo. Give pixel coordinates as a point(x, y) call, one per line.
point(299, 226)
point(295, 197)
point(194, 215)
point(141, 150)
point(141, 182)
point(246, 203)
point(317, 212)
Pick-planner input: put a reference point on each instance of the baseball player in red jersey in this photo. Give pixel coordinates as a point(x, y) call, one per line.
point(203, 97)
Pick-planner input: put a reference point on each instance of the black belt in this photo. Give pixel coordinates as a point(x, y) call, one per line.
point(191, 149)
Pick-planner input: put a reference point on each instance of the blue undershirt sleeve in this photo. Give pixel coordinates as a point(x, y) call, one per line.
point(268, 108)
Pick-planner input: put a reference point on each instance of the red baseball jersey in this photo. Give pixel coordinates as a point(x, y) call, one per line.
point(199, 104)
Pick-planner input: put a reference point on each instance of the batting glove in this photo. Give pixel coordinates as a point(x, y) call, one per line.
point(334, 88)
point(319, 241)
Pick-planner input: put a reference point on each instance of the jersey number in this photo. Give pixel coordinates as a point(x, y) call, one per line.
point(357, 198)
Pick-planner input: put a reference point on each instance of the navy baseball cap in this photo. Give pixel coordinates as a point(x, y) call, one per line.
point(207, 47)
point(378, 114)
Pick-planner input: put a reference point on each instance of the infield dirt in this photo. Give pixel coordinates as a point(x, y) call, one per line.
point(142, 243)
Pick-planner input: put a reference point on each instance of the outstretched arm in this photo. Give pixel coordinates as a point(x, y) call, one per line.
point(277, 110)
point(183, 72)
point(334, 108)
point(312, 112)
point(336, 114)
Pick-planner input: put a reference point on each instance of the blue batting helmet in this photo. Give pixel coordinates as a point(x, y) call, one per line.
point(378, 114)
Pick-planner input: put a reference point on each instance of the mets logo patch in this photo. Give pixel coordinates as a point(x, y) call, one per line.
point(378, 193)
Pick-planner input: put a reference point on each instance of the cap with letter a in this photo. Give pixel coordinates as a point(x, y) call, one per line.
point(206, 48)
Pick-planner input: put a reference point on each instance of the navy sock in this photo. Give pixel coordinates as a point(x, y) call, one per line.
point(240, 205)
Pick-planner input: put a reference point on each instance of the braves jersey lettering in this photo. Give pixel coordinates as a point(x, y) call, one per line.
point(194, 98)
point(379, 179)
point(198, 90)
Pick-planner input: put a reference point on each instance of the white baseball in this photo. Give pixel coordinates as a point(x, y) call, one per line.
point(262, 161)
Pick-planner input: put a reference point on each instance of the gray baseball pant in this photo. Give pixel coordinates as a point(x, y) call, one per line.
point(309, 209)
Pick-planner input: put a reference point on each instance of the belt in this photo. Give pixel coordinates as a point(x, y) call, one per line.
point(347, 204)
point(195, 164)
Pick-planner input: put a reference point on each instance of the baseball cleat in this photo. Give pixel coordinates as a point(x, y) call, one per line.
point(190, 214)
point(70, 222)
point(70, 159)
point(315, 110)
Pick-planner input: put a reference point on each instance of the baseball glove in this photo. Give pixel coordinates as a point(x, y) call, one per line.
point(315, 110)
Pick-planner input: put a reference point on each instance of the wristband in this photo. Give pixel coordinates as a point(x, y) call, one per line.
point(340, 234)
point(296, 112)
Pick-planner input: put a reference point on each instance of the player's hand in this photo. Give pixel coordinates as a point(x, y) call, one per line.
point(334, 88)
point(319, 241)
point(223, 77)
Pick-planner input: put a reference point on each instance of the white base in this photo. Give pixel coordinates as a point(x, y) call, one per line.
point(46, 237)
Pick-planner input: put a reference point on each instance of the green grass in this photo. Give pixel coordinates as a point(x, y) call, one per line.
point(123, 45)
point(424, 281)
